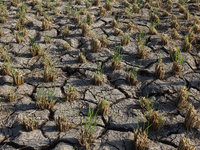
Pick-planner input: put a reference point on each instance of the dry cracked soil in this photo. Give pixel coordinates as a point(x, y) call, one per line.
point(22, 23)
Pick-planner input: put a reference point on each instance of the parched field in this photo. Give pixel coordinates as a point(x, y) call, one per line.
point(100, 75)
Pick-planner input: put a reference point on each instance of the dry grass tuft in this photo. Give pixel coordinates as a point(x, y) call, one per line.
point(135, 8)
point(98, 78)
point(71, 94)
point(5, 69)
point(96, 45)
point(126, 3)
point(140, 140)
point(186, 46)
point(181, 99)
point(104, 41)
point(108, 5)
point(164, 39)
point(46, 25)
point(131, 77)
point(114, 24)
point(65, 31)
point(86, 137)
point(36, 49)
point(11, 96)
point(160, 70)
point(154, 18)
point(103, 107)
point(96, 2)
point(45, 102)
point(62, 123)
point(102, 11)
point(174, 34)
point(66, 46)
point(29, 123)
point(19, 38)
point(85, 29)
point(125, 40)
point(141, 52)
point(174, 24)
point(17, 77)
point(50, 73)
point(118, 32)
point(176, 68)
point(145, 103)
point(155, 120)
point(185, 144)
point(192, 120)
point(131, 27)
point(81, 57)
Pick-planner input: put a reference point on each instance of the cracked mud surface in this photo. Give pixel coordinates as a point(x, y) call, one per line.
point(113, 131)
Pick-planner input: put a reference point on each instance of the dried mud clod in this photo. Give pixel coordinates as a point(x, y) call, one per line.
point(156, 120)
point(29, 123)
point(181, 99)
point(192, 120)
point(102, 107)
point(85, 29)
point(17, 77)
point(184, 144)
point(96, 45)
point(140, 140)
point(160, 70)
point(62, 123)
point(71, 94)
